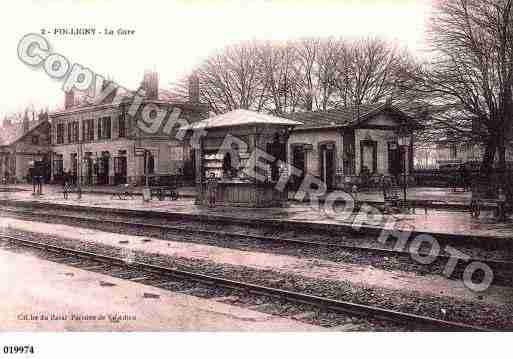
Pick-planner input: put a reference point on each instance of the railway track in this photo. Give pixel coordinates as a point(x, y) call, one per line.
point(155, 274)
point(496, 265)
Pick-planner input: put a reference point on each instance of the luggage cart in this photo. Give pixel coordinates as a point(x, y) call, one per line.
point(165, 186)
point(487, 193)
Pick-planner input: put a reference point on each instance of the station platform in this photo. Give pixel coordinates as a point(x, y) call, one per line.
point(44, 296)
point(436, 222)
point(442, 196)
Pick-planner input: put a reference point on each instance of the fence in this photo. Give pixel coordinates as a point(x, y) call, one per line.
point(450, 177)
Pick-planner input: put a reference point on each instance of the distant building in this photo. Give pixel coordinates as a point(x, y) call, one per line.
point(448, 153)
point(22, 143)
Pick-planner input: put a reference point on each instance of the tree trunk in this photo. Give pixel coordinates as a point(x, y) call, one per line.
point(488, 157)
point(503, 174)
point(501, 152)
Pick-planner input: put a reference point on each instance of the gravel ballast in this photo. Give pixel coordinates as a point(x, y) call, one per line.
point(391, 262)
point(441, 307)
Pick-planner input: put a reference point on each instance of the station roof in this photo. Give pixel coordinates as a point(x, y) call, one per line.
point(347, 117)
point(243, 118)
point(9, 134)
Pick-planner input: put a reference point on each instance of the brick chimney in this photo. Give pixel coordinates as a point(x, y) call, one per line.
point(42, 115)
point(69, 99)
point(25, 122)
point(194, 88)
point(112, 95)
point(150, 84)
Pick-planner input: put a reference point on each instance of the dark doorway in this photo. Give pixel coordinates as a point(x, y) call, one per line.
point(149, 163)
point(299, 163)
point(88, 167)
point(327, 161)
point(189, 167)
point(395, 159)
point(278, 150)
point(74, 168)
point(46, 168)
point(120, 170)
point(58, 169)
point(103, 169)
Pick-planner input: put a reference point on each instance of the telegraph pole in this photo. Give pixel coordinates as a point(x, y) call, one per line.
point(79, 169)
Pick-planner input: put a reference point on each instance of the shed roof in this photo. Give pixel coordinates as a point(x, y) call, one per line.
point(14, 132)
point(242, 117)
point(346, 117)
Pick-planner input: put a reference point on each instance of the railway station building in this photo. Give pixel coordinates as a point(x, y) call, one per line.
point(101, 143)
point(340, 146)
point(105, 140)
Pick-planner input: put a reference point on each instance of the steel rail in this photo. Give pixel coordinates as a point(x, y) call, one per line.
point(494, 263)
point(416, 321)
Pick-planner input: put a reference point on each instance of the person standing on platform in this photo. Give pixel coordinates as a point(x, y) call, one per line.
point(37, 186)
point(212, 190)
point(65, 189)
point(31, 176)
point(65, 184)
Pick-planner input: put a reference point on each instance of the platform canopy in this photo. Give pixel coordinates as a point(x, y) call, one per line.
point(242, 118)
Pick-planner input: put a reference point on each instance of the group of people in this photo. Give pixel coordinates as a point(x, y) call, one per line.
point(37, 181)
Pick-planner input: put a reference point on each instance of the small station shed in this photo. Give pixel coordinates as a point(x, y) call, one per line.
point(244, 151)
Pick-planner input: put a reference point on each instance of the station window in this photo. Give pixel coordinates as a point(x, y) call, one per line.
point(60, 133)
point(70, 132)
point(90, 130)
point(76, 131)
point(104, 128)
point(121, 126)
point(99, 128)
point(454, 151)
point(85, 130)
point(58, 166)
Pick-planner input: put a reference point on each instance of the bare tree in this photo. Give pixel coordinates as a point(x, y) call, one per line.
point(229, 79)
point(280, 78)
point(368, 72)
point(317, 69)
point(471, 72)
point(307, 69)
point(306, 74)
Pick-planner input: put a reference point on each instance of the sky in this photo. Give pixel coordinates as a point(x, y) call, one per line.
point(173, 36)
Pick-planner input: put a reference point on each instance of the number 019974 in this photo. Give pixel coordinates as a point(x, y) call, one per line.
point(18, 349)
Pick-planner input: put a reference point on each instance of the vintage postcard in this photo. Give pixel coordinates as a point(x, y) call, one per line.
point(300, 166)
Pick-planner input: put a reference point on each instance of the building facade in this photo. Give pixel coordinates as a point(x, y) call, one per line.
point(115, 142)
point(112, 149)
point(434, 156)
point(22, 144)
point(341, 146)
